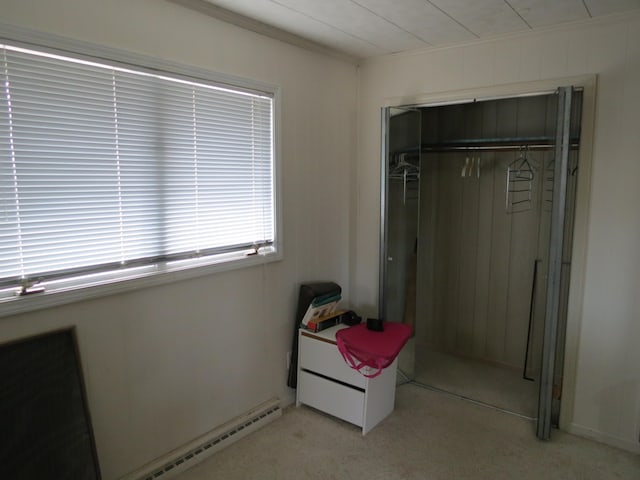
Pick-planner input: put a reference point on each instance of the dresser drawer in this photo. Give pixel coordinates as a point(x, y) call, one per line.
point(323, 357)
point(333, 398)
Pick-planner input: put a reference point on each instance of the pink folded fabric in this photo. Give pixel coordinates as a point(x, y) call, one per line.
point(361, 347)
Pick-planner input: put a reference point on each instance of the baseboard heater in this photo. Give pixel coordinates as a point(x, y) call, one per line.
point(194, 452)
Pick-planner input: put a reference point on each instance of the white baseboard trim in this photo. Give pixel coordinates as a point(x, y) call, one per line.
point(591, 434)
point(199, 449)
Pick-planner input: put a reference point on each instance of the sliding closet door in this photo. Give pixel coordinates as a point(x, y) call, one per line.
point(399, 218)
point(554, 296)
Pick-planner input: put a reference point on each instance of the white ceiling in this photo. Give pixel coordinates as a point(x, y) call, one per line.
point(366, 28)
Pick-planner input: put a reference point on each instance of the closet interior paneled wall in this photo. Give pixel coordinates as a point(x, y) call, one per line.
point(476, 257)
point(468, 245)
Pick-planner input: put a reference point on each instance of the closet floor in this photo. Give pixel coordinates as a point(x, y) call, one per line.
point(495, 385)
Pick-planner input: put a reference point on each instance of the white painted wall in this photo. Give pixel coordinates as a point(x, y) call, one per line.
point(166, 364)
point(607, 338)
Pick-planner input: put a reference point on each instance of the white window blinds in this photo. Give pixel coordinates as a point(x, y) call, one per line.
point(104, 168)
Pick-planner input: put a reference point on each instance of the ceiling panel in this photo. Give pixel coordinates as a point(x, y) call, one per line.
point(422, 19)
point(366, 28)
point(298, 23)
point(483, 17)
point(541, 13)
point(348, 16)
point(606, 7)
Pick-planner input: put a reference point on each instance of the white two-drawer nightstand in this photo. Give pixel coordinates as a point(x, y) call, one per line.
point(327, 383)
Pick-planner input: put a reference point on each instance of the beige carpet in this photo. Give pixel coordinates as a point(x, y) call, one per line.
point(487, 383)
point(430, 436)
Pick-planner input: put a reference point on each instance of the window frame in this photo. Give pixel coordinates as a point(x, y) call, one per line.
point(85, 287)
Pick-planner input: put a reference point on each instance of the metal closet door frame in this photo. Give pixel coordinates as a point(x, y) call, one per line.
point(556, 240)
point(385, 114)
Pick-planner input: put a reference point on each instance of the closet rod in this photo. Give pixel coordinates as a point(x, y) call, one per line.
point(488, 144)
point(529, 147)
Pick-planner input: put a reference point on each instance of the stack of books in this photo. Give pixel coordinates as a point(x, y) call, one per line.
point(322, 313)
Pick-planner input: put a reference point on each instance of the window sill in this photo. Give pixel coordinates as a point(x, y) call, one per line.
point(161, 274)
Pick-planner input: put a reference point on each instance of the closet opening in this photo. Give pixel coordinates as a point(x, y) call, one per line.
point(477, 228)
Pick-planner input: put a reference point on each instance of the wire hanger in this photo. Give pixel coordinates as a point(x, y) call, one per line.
point(405, 171)
point(471, 163)
point(519, 188)
point(402, 166)
point(521, 167)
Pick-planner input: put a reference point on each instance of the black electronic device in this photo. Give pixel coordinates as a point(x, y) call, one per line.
point(375, 324)
point(350, 318)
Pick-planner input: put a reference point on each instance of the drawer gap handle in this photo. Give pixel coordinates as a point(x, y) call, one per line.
point(331, 379)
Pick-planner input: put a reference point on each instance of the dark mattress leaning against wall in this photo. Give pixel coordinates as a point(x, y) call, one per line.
point(308, 291)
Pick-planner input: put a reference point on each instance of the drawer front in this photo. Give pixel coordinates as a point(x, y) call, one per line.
point(330, 397)
point(324, 358)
